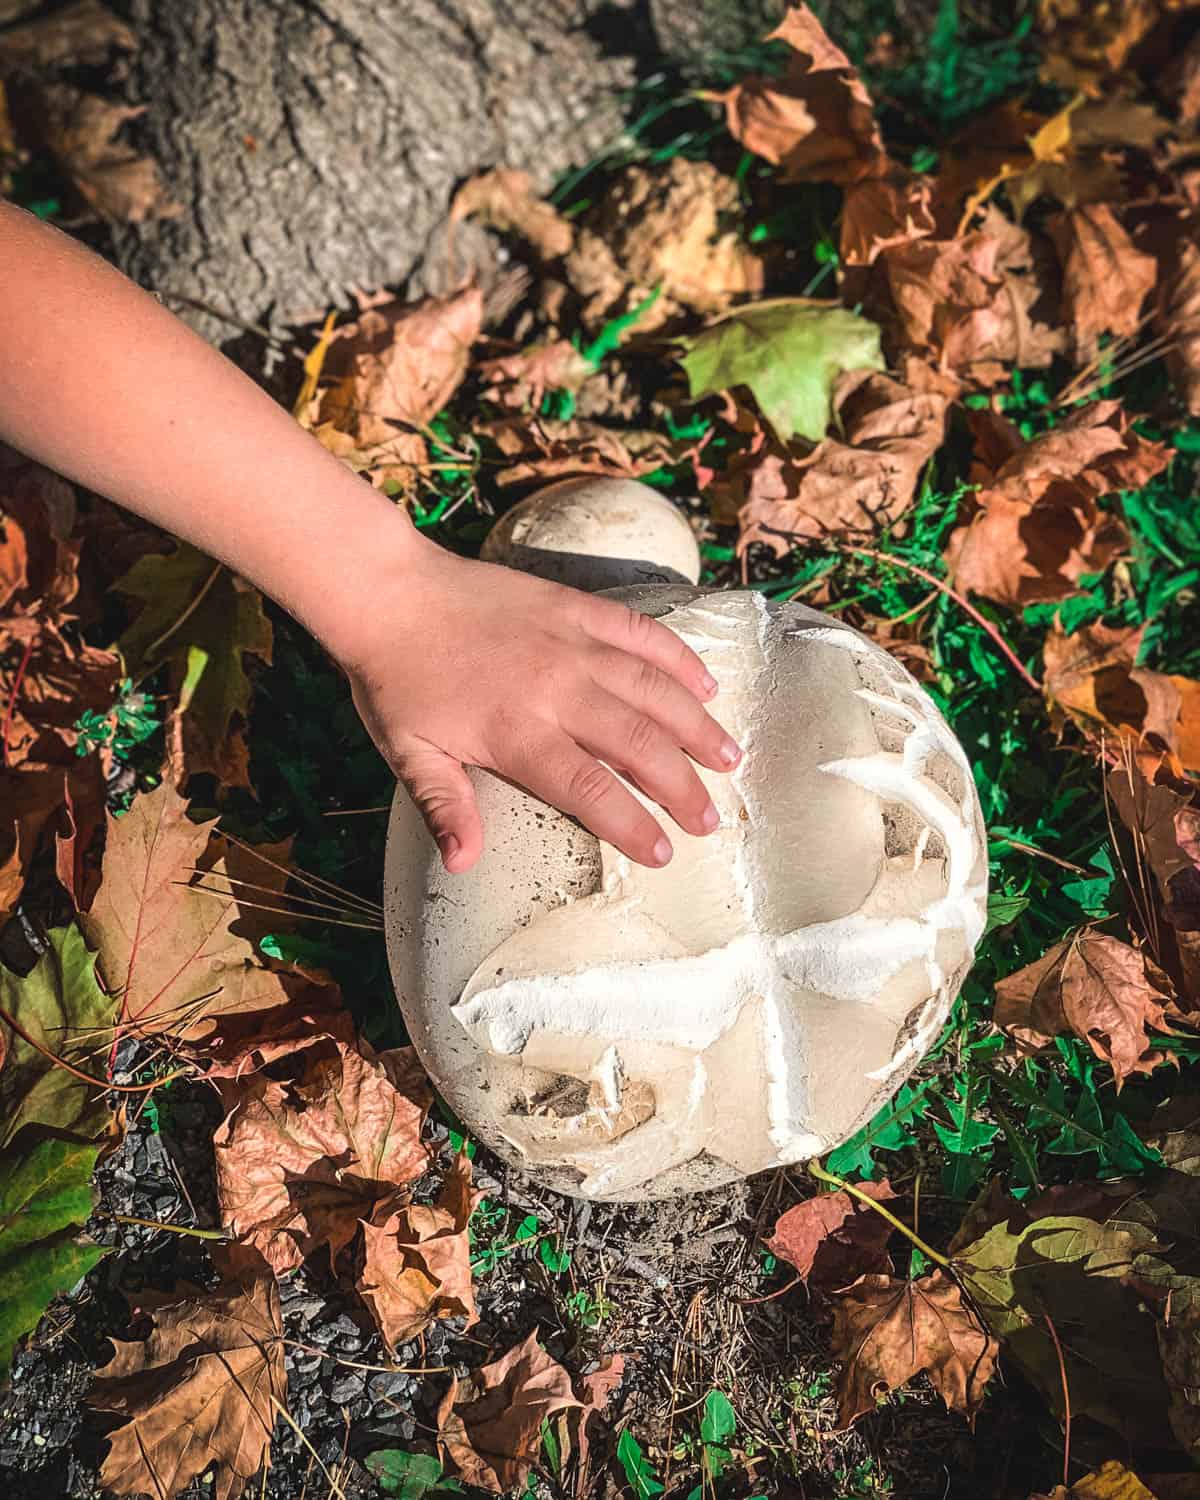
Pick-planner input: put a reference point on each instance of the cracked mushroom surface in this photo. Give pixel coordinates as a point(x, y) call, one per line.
point(625, 1033)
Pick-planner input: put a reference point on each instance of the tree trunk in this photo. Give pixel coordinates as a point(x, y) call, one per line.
point(313, 145)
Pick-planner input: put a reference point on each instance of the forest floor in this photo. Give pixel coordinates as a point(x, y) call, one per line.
point(1010, 508)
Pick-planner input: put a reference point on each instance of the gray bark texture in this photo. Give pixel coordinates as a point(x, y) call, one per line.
point(314, 145)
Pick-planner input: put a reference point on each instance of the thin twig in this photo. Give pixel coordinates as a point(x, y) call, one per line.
point(771, 1296)
point(981, 620)
point(282, 911)
point(815, 1169)
point(354, 1364)
point(1066, 1389)
point(282, 1411)
point(187, 614)
point(303, 877)
point(96, 1083)
point(1063, 864)
point(354, 812)
point(200, 1234)
point(322, 904)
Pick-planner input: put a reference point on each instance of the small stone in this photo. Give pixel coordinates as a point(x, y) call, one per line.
point(388, 1383)
point(346, 1387)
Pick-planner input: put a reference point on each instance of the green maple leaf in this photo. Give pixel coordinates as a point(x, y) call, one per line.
point(204, 621)
point(45, 1192)
point(60, 1004)
point(788, 354)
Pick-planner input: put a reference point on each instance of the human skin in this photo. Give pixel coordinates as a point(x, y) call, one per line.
point(539, 683)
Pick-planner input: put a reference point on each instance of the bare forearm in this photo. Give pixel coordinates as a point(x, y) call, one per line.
point(106, 387)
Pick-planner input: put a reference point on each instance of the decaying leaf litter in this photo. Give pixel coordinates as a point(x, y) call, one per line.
point(911, 330)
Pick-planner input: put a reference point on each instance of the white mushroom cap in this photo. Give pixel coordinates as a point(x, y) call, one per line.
point(595, 533)
point(629, 1033)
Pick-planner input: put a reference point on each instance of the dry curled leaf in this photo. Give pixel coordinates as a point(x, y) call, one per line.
point(880, 213)
point(302, 1160)
point(504, 199)
point(885, 1331)
point(816, 121)
point(417, 1260)
point(520, 380)
point(1105, 992)
point(1091, 678)
point(490, 1429)
point(834, 1238)
point(1177, 316)
point(202, 1390)
point(1085, 44)
point(1105, 277)
point(543, 449)
point(1035, 527)
point(853, 484)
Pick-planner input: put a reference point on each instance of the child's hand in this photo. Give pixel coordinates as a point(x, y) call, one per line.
point(455, 662)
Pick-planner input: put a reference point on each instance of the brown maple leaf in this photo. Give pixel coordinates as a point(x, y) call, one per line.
point(397, 365)
point(853, 484)
point(175, 955)
point(1035, 526)
point(880, 213)
point(834, 1238)
point(1107, 993)
point(542, 449)
point(1091, 678)
point(300, 1161)
point(816, 121)
point(520, 380)
point(971, 305)
point(30, 799)
point(417, 1260)
point(595, 1391)
point(1086, 44)
point(885, 1331)
point(491, 1430)
point(1177, 316)
point(202, 1391)
point(1105, 277)
point(505, 199)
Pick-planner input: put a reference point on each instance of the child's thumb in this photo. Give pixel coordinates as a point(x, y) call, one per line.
point(442, 790)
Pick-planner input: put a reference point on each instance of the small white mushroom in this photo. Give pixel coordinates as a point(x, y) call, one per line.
point(595, 533)
point(629, 1033)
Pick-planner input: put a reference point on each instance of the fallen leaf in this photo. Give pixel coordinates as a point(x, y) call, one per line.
point(61, 1006)
point(662, 230)
point(1035, 528)
point(543, 449)
point(969, 306)
point(834, 1238)
point(854, 484)
point(45, 1195)
point(30, 800)
point(505, 200)
point(241, 1043)
point(595, 1391)
point(885, 1331)
point(417, 1261)
point(1091, 679)
point(398, 364)
point(84, 34)
point(1073, 1271)
point(301, 1161)
point(880, 213)
point(816, 121)
point(491, 1430)
point(1105, 277)
point(41, 549)
point(1177, 317)
point(83, 132)
point(789, 354)
point(60, 681)
point(168, 951)
point(198, 616)
point(1094, 986)
point(1111, 1481)
point(520, 380)
point(202, 1390)
point(1086, 44)
point(1179, 1346)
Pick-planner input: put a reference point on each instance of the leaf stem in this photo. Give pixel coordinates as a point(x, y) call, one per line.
point(103, 1085)
point(200, 1234)
point(815, 1169)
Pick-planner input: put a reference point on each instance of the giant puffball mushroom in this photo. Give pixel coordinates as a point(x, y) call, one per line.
point(595, 533)
point(624, 1033)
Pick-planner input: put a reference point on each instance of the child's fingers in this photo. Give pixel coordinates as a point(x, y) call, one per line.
point(553, 767)
point(653, 693)
point(641, 636)
point(622, 736)
point(445, 797)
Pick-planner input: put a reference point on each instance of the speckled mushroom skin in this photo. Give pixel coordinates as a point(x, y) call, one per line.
point(596, 534)
point(624, 1033)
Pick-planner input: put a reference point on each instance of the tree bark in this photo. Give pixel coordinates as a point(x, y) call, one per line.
point(313, 145)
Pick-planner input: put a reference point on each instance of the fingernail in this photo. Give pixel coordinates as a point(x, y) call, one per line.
point(709, 683)
point(662, 851)
point(710, 818)
point(730, 751)
point(449, 845)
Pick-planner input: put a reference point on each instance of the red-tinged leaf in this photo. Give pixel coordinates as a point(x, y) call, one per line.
point(834, 1238)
